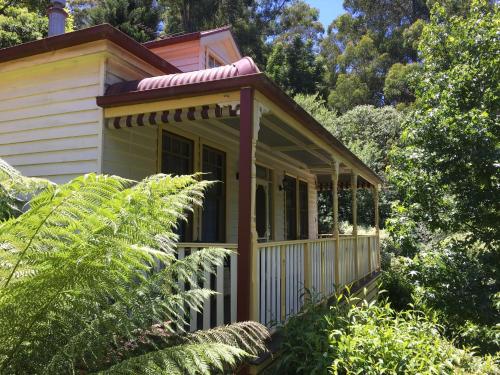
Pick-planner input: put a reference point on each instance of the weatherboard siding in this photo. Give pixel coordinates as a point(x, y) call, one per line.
point(49, 120)
point(128, 152)
point(184, 56)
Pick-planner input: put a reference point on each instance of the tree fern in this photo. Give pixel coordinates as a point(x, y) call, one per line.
point(89, 282)
point(16, 189)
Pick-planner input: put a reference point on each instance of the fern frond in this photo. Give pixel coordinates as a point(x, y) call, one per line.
point(92, 266)
point(192, 359)
point(16, 190)
point(248, 336)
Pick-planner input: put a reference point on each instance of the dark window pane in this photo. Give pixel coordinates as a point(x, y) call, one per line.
point(290, 207)
point(177, 159)
point(260, 211)
point(214, 204)
point(304, 210)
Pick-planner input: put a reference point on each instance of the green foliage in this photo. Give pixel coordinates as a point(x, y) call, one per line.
point(349, 92)
point(399, 82)
point(35, 6)
point(293, 62)
point(375, 130)
point(363, 44)
point(299, 19)
point(305, 346)
point(456, 283)
point(447, 164)
point(443, 232)
point(20, 25)
point(89, 282)
point(374, 339)
point(16, 190)
point(293, 66)
point(137, 18)
point(318, 109)
point(25, 21)
point(353, 336)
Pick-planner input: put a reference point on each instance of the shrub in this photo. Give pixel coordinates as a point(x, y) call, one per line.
point(305, 346)
point(455, 281)
point(355, 337)
point(375, 339)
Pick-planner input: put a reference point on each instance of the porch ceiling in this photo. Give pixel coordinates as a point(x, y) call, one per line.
point(324, 181)
point(282, 139)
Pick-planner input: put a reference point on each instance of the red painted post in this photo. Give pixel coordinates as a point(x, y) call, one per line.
point(245, 202)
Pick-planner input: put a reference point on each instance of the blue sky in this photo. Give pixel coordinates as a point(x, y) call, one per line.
point(328, 10)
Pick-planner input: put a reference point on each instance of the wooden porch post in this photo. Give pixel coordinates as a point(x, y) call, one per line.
point(248, 282)
point(377, 222)
point(246, 196)
point(335, 234)
point(354, 191)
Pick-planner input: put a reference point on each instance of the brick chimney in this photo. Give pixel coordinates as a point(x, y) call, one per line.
point(57, 17)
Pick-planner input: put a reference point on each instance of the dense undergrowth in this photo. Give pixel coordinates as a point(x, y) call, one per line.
point(456, 284)
point(356, 337)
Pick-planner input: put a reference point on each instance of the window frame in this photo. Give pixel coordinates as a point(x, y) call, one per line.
point(217, 60)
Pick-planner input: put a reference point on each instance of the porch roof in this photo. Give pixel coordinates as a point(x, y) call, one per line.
point(243, 67)
point(243, 73)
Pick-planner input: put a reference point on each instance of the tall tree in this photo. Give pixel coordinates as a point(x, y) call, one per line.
point(293, 61)
point(37, 6)
point(362, 45)
point(24, 21)
point(19, 25)
point(295, 67)
point(299, 19)
point(138, 18)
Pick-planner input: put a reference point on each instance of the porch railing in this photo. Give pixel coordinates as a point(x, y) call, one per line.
point(285, 270)
point(221, 308)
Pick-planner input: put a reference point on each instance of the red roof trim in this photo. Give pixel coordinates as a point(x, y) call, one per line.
point(83, 36)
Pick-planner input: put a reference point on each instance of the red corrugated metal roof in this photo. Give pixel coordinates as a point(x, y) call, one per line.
point(242, 67)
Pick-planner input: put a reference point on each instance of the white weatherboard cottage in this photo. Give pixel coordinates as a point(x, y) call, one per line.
point(95, 100)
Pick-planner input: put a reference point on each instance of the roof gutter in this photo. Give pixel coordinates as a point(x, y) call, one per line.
point(258, 81)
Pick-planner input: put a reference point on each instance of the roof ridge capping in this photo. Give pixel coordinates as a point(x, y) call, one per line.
point(184, 37)
point(242, 67)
